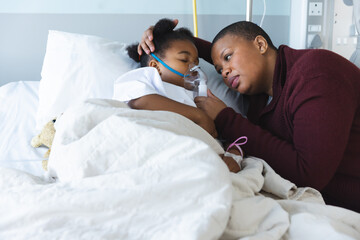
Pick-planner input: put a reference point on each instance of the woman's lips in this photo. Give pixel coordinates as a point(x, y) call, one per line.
point(234, 81)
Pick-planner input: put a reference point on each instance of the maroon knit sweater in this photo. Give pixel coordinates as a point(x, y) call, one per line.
point(310, 131)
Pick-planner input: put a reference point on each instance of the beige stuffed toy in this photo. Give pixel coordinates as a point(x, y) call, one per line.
point(45, 138)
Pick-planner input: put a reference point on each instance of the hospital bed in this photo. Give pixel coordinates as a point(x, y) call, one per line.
point(118, 173)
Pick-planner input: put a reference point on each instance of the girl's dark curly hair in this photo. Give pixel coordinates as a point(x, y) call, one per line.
point(164, 34)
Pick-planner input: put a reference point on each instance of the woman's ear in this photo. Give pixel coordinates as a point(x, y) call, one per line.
point(155, 64)
point(261, 44)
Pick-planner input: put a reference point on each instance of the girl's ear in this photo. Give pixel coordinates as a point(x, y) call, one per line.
point(155, 64)
point(261, 44)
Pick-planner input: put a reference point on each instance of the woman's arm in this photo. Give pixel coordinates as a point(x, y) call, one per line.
point(204, 49)
point(310, 156)
point(158, 102)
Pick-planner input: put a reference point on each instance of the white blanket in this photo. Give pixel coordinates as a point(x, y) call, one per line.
point(131, 174)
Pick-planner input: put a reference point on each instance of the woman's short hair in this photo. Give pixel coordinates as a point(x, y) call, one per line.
point(246, 30)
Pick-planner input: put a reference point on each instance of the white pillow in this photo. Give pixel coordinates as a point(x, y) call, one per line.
point(77, 67)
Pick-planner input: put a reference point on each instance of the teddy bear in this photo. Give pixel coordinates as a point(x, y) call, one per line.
point(45, 138)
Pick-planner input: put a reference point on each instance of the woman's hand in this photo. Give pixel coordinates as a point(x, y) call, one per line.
point(146, 44)
point(210, 104)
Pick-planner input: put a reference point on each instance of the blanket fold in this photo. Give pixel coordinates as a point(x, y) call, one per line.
point(136, 174)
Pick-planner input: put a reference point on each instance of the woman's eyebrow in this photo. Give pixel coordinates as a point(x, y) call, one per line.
point(222, 52)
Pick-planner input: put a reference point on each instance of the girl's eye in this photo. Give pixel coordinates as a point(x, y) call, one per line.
point(184, 60)
point(227, 57)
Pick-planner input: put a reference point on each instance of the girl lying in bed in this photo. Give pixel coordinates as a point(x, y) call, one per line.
point(159, 83)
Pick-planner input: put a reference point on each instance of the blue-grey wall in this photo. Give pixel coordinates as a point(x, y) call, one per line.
point(24, 24)
point(212, 7)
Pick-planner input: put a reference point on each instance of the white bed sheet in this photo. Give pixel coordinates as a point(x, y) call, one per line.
point(18, 106)
point(130, 174)
point(182, 182)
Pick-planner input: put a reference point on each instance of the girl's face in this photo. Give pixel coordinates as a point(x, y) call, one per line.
point(178, 56)
point(241, 63)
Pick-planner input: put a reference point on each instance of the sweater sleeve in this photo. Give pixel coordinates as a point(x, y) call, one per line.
point(204, 49)
point(318, 123)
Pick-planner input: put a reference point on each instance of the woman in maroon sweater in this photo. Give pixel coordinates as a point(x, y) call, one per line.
point(303, 113)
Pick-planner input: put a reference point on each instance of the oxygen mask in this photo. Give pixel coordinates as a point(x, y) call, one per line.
point(196, 80)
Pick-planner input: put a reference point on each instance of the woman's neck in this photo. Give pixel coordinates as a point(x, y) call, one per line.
point(270, 69)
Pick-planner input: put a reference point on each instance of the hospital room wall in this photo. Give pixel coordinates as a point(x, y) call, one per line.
point(24, 25)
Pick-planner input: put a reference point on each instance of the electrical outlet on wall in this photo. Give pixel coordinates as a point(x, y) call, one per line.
point(315, 9)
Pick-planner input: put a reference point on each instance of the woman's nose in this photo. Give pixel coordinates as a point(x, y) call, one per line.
point(225, 72)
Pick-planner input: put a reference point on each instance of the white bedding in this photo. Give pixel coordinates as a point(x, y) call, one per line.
point(131, 174)
point(18, 106)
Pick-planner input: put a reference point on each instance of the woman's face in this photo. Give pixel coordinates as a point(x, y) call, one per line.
point(178, 56)
point(241, 63)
